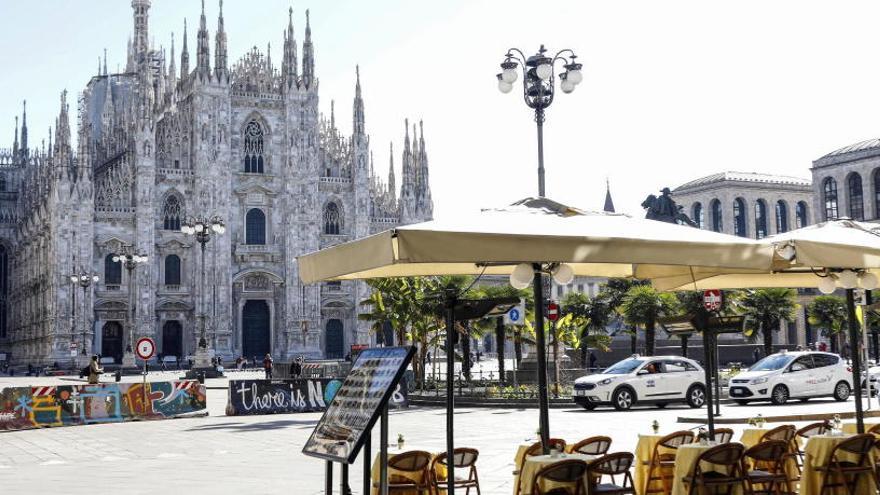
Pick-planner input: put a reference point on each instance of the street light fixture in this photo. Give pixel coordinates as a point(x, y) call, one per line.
point(130, 259)
point(203, 229)
point(84, 280)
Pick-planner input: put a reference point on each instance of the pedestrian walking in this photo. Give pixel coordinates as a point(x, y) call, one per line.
point(296, 368)
point(267, 366)
point(756, 355)
point(95, 370)
point(592, 360)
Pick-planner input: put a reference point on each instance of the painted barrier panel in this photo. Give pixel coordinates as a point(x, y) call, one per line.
point(67, 405)
point(289, 396)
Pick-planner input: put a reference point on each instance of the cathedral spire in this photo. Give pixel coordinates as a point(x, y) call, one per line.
point(358, 125)
point(172, 67)
point(129, 60)
point(220, 58)
point(269, 59)
point(333, 114)
point(15, 141)
point(288, 63)
point(105, 62)
point(141, 10)
point(392, 182)
point(184, 55)
point(203, 52)
point(308, 56)
point(609, 204)
point(24, 130)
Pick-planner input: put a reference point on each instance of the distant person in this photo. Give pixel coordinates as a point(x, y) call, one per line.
point(267, 366)
point(296, 368)
point(822, 347)
point(428, 357)
point(95, 370)
point(756, 355)
point(592, 361)
point(238, 363)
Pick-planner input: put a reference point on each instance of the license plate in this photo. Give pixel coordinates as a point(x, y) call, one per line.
point(735, 392)
point(581, 393)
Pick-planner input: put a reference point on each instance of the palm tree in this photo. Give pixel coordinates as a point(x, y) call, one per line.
point(829, 313)
point(644, 305)
point(767, 308)
point(581, 314)
point(497, 324)
point(613, 293)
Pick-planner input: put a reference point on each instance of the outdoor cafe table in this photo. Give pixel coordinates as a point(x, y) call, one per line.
point(533, 464)
point(752, 436)
point(684, 466)
point(644, 451)
point(818, 453)
point(395, 474)
point(852, 429)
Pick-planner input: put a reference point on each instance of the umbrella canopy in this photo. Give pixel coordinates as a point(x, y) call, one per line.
point(539, 230)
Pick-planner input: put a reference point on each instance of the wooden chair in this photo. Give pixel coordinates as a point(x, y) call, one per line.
point(462, 459)
point(838, 473)
point(874, 430)
point(616, 464)
point(805, 433)
point(661, 467)
point(723, 435)
point(569, 471)
point(788, 434)
point(537, 449)
point(768, 468)
point(729, 457)
point(592, 446)
point(415, 463)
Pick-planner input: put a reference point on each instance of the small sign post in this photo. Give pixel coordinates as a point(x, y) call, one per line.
point(712, 300)
point(145, 349)
point(552, 311)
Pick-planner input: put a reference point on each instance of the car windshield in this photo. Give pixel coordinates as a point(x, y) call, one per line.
point(771, 363)
point(624, 367)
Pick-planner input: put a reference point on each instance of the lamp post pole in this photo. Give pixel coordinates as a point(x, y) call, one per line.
point(130, 259)
point(84, 280)
point(538, 91)
point(204, 229)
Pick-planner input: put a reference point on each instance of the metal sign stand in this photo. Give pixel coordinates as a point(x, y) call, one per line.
point(383, 452)
point(366, 452)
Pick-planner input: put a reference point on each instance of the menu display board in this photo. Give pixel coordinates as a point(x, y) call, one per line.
point(358, 403)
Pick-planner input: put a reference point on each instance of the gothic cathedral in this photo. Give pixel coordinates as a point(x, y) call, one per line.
point(159, 144)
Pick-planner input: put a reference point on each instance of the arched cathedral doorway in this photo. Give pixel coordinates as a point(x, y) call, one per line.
point(172, 339)
point(255, 329)
point(111, 341)
point(334, 341)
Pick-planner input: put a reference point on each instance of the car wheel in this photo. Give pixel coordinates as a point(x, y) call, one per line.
point(742, 402)
point(589, 406)
point(779, 396)
point(841, 391)
point(623, 399)
point(696, 396)
point(661, 405)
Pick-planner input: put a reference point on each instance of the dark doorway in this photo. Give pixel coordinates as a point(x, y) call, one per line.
point(255, 329)
point(172, 339)
point(111, 341)
point(334, 344)
point(386, 336)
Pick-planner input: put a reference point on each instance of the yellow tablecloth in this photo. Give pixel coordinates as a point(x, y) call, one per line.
point(852, 430)
point(533, 464)
point(643, 453)
point(752, 436)
point(818, 453)
point(440, 470)
point(684, 466)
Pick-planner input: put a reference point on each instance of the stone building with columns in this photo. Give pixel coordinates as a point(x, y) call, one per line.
point(164, 141)
point(847, 182)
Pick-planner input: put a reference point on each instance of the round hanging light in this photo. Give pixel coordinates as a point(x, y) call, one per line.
point(848, 279)
point(868, 281)
point(563, 274)
point(827, 285)
point(521, 276)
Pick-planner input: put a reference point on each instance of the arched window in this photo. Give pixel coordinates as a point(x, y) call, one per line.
point(760, 219)
point(829, 192)
point(876, 176)
point(253, 148)
point(856, 198)
point(739, 217)
point(717, 223)
point(171, 213)
point(112, 271)
point(331, 219)
point(781, 217)
point(800, 215)
point(698, 214)
point(255, 227)
point(172, 269)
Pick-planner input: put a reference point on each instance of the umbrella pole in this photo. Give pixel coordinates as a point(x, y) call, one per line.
point(856, 358)
point(707, 363)
point(451, 300)
point(543, 401)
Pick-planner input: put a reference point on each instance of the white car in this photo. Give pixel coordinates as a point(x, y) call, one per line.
point(793, 375)
point(657, 380)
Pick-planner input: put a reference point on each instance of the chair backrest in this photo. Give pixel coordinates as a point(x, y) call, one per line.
point(676, 440)
point(785, 433)
point(769, 451)
point(412, 461)
point(813, 429)
point(593, 446)
point(536, 448)
point(875, 429)
point(723, 435)
point(567, 471)
point(859, 445)
point(462, 457)
point(611, 464)
point(727, 454)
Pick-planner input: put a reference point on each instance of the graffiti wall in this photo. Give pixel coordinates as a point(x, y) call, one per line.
point(66, 405)
point(288, 396)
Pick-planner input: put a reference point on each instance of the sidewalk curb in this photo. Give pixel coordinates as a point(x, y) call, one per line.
point(779, 419)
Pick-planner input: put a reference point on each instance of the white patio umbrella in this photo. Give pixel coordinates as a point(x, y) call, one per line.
point(530, 238)
point(829, 255)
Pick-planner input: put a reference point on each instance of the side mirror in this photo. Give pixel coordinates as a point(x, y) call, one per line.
point(642, 372)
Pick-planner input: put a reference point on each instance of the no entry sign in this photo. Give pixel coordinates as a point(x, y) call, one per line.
point(712, 299)
point(552, 311)
point(145, 348)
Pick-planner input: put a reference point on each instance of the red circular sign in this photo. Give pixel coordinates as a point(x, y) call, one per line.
point(712, 299)
point(145, 348)
point(552, 311)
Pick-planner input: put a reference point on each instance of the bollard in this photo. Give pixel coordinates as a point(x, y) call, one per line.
point(119, 375)
point(200, 376)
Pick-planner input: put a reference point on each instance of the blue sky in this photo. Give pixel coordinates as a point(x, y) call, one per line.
point(672, 90)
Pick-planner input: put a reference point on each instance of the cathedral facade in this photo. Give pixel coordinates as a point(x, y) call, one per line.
point(162, 143)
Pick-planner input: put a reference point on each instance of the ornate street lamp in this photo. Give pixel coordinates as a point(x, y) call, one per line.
point(538, 86)
point(538, 91)
point(130, 259)
point(84, 280)
point(203, 229)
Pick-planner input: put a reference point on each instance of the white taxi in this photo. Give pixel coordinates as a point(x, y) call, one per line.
point(793, 375)
point(657, 380)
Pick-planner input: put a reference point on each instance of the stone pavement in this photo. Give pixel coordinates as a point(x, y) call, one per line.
point(262, 454)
